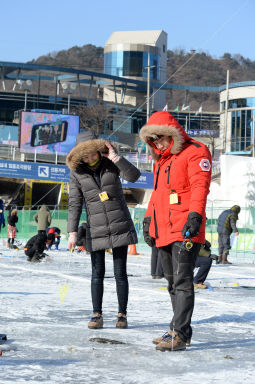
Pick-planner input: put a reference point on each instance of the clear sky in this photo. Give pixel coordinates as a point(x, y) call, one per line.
point(31, 28)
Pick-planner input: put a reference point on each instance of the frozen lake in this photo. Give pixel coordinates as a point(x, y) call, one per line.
point(45, 309)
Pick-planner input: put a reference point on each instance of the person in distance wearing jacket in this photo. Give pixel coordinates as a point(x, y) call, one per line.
point(226, 225)
point(95, 174)
point(182, 174)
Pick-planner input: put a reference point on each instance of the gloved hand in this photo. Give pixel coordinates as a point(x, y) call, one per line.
point(3, 224)
point(192, 225)
point(72, 240)
point(17, 229)
point(146, 226)
point(112, 155)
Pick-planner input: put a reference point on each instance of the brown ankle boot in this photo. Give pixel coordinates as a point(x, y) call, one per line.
point(171, 343)
point(158, 340)
point(121, 321)
point(96, 321)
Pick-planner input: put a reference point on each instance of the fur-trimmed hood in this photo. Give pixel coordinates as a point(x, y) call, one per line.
point(76, 155)
point(163, 123)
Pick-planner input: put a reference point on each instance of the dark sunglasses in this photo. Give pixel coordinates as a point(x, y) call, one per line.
point(155, 138)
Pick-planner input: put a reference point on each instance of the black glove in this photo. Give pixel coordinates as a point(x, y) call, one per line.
point(147, 238)
point(3, 224)
point(192, 225)
point(17, 229)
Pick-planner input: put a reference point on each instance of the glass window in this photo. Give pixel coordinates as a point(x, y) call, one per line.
point(241, 130)
point(133, 63)
point(241, 103)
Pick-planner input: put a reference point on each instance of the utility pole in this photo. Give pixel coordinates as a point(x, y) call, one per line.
point(148, 88)
point(226, 113)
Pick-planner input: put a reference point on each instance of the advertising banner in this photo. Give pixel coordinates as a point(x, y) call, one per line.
point(56, 172)
point(48, 132)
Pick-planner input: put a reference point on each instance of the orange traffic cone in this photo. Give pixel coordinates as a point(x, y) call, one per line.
point(132, 250)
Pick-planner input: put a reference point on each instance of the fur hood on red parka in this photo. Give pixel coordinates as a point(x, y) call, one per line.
point(163, 123)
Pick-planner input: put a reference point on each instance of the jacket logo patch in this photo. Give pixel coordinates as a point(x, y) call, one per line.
point(205, 165)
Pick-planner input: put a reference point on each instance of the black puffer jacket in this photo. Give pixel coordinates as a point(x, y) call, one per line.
point(109, 224)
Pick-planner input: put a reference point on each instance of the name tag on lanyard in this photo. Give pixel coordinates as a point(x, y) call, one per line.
point(174, 198)
point(103, 196)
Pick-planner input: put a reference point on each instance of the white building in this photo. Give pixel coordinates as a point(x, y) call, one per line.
point(237, 118)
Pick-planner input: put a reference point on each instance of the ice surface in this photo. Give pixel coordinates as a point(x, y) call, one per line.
point(45, 309)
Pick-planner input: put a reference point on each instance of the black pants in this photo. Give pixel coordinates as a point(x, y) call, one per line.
point(120, 274)
point(224, 243)
point(204, 265)
point(178, 266)
point(156, 265)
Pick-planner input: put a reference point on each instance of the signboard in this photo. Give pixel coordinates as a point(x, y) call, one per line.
point(37, 171)
point(203, 132)
point(48, 132)
point(56, 172)
point(9, 135)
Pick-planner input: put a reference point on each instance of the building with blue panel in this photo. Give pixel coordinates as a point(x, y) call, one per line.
point(129, 54)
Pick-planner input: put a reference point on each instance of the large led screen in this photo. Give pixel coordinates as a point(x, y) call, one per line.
point(48, 132)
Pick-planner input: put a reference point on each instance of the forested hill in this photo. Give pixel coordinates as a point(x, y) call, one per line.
point(202, 70)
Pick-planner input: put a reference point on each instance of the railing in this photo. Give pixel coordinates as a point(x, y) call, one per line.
point(142, 161)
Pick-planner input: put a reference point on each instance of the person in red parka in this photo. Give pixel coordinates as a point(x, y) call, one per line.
point(176, 214)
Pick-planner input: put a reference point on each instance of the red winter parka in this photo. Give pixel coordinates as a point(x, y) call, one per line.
point(182, 175)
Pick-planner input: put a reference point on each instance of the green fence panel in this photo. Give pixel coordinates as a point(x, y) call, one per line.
point(243, 245)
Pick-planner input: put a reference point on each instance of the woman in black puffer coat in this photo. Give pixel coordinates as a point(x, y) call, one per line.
point(95, 181)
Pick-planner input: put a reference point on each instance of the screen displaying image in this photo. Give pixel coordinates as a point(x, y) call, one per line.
point(48, 132)
point(43, 134)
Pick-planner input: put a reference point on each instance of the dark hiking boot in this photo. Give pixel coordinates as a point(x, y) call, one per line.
point(121, 321)
point(225, 259)
point(171, 343)
point(216, 258)
point(158, 340)
point(219, 259)
point(96, 321)
point(35, 259)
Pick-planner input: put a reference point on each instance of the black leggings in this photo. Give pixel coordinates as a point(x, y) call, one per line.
point(120, 274)
point(10, 241)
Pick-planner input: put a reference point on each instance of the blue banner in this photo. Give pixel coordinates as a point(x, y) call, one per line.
point(56, 172)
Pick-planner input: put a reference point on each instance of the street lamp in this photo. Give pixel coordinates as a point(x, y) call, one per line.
point(68, 88)
point(149, 67)
point(24, 85)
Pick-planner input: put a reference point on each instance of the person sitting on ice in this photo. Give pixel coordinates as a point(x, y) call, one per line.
point(34, 248)
point(53, 237)
point(204, 263)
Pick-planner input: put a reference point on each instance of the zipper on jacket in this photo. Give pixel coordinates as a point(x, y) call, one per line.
point(168, 171)
point(156, 225)
point(157, 172)
point(171, 224)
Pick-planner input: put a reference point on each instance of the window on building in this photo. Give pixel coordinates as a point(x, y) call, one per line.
point(133, 63)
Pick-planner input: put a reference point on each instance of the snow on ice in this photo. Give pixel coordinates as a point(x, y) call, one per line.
point(45, 309)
